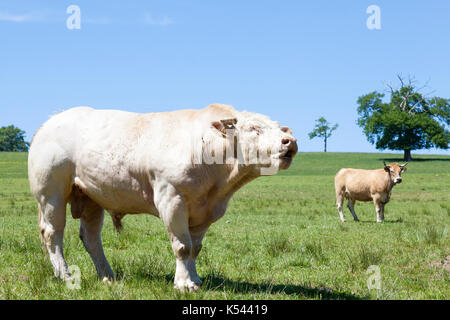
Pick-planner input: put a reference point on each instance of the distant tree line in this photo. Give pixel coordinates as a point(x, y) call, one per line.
point(12, 140)
point(409, 120)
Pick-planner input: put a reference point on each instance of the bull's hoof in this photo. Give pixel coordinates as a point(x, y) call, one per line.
point(342, 220)
point(380, 221)
point(107, 280)
point(186, 286)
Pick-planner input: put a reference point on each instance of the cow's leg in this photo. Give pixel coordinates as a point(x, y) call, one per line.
point(351, 207)
point(379, 208)
point(91, 224)
point(172, 210)
point(382, 212)
point(52, 221)
point(340, 204)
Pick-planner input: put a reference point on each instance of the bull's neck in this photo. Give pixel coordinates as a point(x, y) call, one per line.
point(237, 177)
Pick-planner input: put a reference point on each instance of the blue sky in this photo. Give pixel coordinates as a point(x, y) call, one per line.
point(292, 60)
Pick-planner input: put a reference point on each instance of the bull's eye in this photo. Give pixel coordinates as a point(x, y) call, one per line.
point(256, 129)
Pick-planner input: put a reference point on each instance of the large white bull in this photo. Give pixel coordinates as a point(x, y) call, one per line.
point(180, 166)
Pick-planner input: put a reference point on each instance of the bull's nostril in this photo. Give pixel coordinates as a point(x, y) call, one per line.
point(285, 141)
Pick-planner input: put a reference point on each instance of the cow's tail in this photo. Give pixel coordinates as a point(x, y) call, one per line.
point(339, 186)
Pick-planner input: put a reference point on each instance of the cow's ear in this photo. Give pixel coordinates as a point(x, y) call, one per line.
point(403, 167)
point(224, 125)
point(386, 167)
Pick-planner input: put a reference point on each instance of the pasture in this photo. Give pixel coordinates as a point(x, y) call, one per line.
point(281, 238)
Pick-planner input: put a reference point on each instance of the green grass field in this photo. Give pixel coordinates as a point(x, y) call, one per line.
point(281, 238)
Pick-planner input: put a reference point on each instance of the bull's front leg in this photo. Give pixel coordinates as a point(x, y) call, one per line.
point(197, 235)
point(173, 211)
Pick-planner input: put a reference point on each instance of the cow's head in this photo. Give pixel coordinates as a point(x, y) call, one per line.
point(258, 141)
point(395, 170)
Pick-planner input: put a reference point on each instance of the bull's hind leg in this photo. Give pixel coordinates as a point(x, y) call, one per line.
point(41, 229)
point(351, 207)
point(51, 224)
point(340, 203)
point(90, 233)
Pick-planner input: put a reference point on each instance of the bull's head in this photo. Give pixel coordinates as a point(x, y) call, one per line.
point(259, 142)
point(395, 170)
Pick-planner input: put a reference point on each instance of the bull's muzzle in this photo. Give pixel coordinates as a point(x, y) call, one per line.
point(289, 146)
point(289, 150)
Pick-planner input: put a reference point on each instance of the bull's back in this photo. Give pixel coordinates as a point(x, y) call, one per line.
point(109, 153)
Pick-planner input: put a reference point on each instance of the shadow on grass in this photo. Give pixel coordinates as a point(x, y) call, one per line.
point(399, 220)
point(400, 160)
point(217, 282)
point(220, 283)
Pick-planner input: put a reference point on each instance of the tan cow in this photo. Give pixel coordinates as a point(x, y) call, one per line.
point(181, 166)
point(367, 185)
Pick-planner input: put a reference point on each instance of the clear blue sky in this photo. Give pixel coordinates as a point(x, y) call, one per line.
point(292, 60)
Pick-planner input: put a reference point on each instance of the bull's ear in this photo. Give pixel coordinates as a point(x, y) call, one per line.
point(386, 167)
point(224, 125)
point(286, 130)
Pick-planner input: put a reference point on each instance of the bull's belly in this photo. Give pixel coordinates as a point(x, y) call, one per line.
point(125, 202)
point(119, 197)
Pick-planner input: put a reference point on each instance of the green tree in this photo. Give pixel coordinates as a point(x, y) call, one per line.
point(12, 139)
point(409, 121)
point(323, 130)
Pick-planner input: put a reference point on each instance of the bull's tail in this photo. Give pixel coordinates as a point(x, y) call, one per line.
point(41, 230)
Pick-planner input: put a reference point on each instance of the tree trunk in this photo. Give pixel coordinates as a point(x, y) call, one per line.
point(325, 140)
point(407, 155)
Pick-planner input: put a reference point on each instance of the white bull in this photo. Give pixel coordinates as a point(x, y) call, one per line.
point(180, 166)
